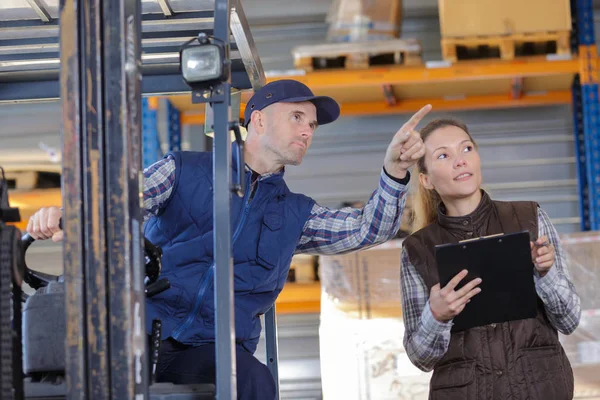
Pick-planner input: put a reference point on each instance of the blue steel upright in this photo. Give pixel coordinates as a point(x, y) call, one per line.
point(150, 138)
point(584, 202)
point(591, 123)
point(586, 113)
point(174, 127)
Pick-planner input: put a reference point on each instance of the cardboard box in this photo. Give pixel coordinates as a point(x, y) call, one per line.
point(359, 20)
point(361, 332)
point(364, 284)
point(365, 359)
point(582, 253)
point(468, 18)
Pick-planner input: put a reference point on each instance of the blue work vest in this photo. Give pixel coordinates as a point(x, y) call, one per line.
point(265, 232)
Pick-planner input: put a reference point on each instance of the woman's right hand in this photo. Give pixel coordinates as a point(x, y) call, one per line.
point(44, 224)
point(446, 303)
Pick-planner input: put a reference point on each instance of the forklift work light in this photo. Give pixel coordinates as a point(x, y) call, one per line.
point(203, 61)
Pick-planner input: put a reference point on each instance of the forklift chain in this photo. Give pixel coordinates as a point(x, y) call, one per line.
point(11, 377)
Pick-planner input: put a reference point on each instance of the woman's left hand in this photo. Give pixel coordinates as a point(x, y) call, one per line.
point(542, 255)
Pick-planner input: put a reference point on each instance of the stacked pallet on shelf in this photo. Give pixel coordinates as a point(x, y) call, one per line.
point(362, 34)
point(357, 55)
point(582, 254)
point(504, 29)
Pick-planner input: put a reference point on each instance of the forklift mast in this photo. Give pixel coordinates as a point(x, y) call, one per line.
point(100, 75)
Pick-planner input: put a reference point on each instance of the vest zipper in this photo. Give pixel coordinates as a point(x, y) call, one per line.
point(207, 279)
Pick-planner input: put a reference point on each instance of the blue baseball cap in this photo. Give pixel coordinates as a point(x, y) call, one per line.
point(291, 91)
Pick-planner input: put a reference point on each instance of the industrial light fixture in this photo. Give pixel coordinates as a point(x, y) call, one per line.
point(203, 61)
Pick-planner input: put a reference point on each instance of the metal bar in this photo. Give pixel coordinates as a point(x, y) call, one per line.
point(192, 138)
point(184, 21)
point(30, 65)
point(158, 84)
point(150, 135)
point(224, 289)
point(162, 122)
point(390, 97)
point(516, 88)
point(165, 7)
point(151, 43)
point(182, 6)
point(36, 56)
point(72, 130)
point(464, 103)
point(246, 46)
point(457, 72)
point(97, 74)
point(584, 14)
point(223, 279)
point(44, 64)
point(29, 32)
point(578, 131)
point(272, 347)
point(95, 266)
point(174, 127)
point(412, 105)
point(591, 127)
point(39, 10)
point(127, 357)
point(587, 121)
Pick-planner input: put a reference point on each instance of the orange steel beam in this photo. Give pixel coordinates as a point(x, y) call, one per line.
point(463, 103)
point(421, 75)
point(439, 104)
point(192, 119)
point(296, 298)
point(460, 71)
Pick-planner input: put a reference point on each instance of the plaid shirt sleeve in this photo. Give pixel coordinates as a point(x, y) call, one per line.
point(329, 231)
point(426, 339)
point(158, 185)
point(562, 304)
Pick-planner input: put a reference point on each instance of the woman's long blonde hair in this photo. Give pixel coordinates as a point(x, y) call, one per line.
point(425, 201)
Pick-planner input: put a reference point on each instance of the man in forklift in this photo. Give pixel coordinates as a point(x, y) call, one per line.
point(271, 225)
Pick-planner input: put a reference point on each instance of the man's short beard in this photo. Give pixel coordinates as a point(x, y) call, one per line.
point(282, 159)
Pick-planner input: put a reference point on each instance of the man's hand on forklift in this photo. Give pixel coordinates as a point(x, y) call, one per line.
point(44, 224)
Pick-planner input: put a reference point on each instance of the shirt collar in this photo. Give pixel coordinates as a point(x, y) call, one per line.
point(473, 222)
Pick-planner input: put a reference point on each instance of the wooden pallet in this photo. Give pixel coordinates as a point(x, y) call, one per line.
point(506, 47)
point(358, 55)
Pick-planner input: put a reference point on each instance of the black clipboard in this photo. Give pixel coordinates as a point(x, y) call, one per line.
point(503, 262)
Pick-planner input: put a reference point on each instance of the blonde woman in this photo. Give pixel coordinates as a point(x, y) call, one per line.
point(512, 360)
